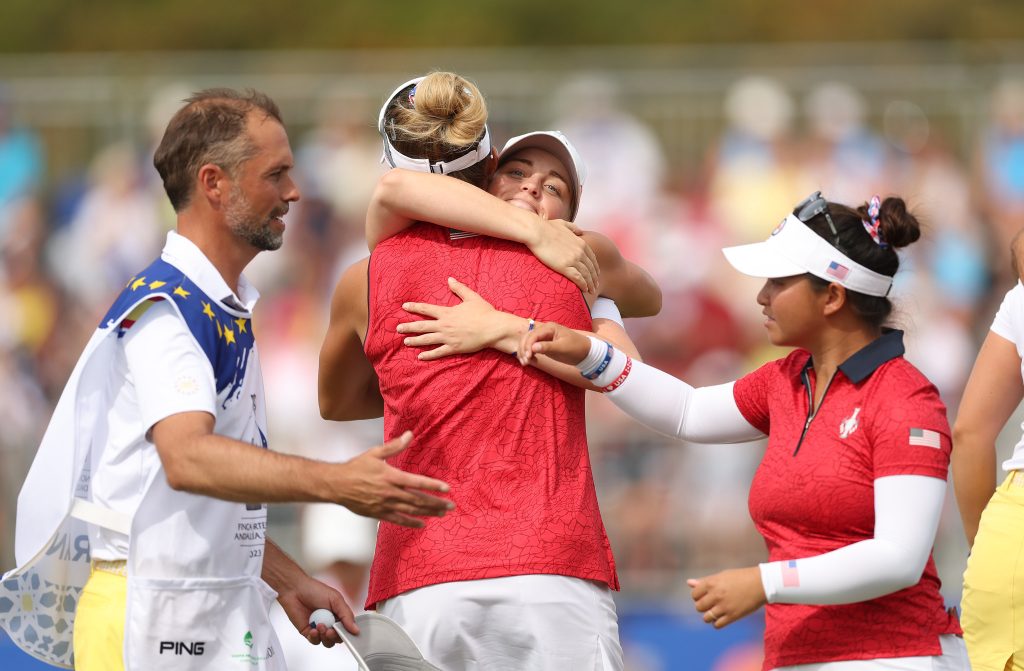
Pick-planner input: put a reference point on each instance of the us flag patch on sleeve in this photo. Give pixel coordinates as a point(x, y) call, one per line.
point(926, 438)
point(790, 574)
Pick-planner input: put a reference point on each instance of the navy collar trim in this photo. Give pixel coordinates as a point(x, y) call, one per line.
point(870, 358)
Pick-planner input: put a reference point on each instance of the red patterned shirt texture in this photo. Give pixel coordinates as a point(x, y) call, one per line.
point(510, 440)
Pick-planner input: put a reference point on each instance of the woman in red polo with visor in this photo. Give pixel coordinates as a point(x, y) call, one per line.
point(850, 488)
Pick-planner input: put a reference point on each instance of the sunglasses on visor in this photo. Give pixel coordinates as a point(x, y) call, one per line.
point(811, 207)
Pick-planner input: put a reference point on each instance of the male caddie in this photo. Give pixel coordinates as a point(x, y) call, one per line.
point(141, 524)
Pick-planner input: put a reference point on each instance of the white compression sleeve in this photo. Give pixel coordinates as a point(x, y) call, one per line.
point(907, 509)
point(670, 406)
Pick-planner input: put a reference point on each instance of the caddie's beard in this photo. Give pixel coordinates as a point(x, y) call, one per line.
point(249, 226)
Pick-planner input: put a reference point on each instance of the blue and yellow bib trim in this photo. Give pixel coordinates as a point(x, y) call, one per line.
point(225, 336)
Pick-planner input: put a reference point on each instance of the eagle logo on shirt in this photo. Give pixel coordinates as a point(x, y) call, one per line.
point(849, 425)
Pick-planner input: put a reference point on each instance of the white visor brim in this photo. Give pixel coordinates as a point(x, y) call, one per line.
point(794, 249)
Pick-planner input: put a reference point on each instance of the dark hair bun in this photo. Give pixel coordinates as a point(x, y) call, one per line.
point(897, 226)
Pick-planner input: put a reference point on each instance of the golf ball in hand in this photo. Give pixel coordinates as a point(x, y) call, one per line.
point(321, 616)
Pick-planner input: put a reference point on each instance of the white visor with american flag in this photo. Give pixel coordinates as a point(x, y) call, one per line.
point(794, 249)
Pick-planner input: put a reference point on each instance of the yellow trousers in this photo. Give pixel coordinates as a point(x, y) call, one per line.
point(99, 622)
point(993, 599)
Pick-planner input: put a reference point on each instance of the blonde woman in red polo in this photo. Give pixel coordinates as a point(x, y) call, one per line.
point(521, 575)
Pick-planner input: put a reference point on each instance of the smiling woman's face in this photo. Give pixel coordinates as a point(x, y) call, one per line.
point(534, 180)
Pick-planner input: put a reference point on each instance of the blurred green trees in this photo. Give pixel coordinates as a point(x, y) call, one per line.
point(120, 25)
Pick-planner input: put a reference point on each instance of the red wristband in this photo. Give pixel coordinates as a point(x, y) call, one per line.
point(621, 378)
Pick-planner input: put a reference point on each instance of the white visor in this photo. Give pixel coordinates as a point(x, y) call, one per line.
point(397, 159)
point(794, 249)
point(382, 645)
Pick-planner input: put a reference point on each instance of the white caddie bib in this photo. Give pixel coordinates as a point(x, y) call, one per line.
point(195, 597)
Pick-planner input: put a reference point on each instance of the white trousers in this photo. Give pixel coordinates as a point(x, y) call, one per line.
point(537, 622)
point(953, 658)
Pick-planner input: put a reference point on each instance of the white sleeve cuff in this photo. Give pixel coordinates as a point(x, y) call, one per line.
point(614, 369)
point(768, 581)
point(605, 308)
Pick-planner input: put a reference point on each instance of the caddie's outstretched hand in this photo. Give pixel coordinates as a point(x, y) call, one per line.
point(556, 341)
point(370, 486)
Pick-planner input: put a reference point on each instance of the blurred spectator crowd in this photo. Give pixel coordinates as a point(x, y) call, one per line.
point(672, 510)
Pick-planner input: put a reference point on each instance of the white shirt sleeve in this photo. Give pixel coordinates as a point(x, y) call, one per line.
point(674, 408)
point(168, 368)
point(907, 509)
point(1007, 322)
